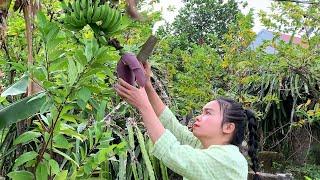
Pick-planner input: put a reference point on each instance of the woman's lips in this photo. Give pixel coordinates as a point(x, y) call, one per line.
point(195, 125)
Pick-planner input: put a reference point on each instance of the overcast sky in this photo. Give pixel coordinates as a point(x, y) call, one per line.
point(177, 4)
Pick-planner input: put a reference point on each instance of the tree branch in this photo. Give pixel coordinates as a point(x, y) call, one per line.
point(297, 1)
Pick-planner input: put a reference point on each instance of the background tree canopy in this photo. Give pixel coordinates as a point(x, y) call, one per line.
point(60, 117)
point(201, 21)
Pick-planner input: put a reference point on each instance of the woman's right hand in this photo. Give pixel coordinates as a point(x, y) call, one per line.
point(148, 73)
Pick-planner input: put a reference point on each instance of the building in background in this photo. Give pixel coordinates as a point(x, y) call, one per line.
point(265, 35)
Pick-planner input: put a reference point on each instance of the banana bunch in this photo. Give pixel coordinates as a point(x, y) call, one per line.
point(102, 18)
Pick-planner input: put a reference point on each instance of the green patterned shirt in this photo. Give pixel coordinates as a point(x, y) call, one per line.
point(182, 152)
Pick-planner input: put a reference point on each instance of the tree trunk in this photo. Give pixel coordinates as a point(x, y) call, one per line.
point(27, 12)
point(300, 144)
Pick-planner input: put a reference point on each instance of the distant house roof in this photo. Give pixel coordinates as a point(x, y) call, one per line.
point(286, 38)
point(265, 35)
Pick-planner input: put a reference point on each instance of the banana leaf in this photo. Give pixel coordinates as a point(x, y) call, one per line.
point(17, 88)
point(21, 109)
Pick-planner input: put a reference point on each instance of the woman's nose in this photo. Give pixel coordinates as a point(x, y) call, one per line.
point(198, 118)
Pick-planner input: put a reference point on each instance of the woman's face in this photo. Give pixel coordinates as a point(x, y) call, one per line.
point(208, 124)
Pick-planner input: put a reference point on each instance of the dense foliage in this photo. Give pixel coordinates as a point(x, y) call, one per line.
point(74, 125)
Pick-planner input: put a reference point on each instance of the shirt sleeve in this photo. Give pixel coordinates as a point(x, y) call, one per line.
point(188, 162)
point(181, 132)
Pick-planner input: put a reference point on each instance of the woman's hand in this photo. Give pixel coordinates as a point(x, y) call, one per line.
point(148, 73)
point(134, 96)
point(139, 99)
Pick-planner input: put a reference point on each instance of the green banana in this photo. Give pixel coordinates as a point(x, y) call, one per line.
point(83, 20)
point(70, 7)
point(89, 11)
point(96, 4)
point(83, 4)
point(115, 19)
point(109, 19)
point(89, 14)
point(103, 12)
point(115, 22)
point(97, 14)
point(106, 19)
point(82, 12)
point(71, 24)
point(78, 8)
point(116, 25)
point(75, 19)
point(65, 7)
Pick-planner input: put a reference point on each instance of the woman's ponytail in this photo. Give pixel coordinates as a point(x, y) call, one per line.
point(253, 142)
point(234, 112)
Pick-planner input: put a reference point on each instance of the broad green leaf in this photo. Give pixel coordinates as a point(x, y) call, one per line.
point(80, 57)
point(38, 96)
point(101, 110)
point(54, 30)
point(46, 136)
point(81, 104)
point(70, 118)
point(18, 66)
point(90, 132)
point(60, 141)
point(54, 42)
point(41, 19)
point(28, 156)
point(42, 171)
point(66, 108)
point(62, 175)
point(72, 72)
point(39, 73)
point(98, 127)
point(102, 154)
point(109, 73)
point(18, 87)
point(90, 49)
point(21, 175)
point(307, 178)
point(25, 107)
point(66, 156)
point(54, 166)
point(26, 137)
point(72, 133)
point(46, 156)
point(55, 55)
point(58, 64)
point(121, 146)
point(84, 94)
point(102, 55)
point(46, 106)
point(2, 99)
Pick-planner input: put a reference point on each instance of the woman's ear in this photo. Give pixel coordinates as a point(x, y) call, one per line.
point(228, 127)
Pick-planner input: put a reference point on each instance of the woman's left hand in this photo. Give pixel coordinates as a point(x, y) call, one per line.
point(137, 97)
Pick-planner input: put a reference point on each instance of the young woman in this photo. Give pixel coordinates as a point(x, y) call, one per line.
point(211, 150)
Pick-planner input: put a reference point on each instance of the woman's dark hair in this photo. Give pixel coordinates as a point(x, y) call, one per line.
point(235, 113)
